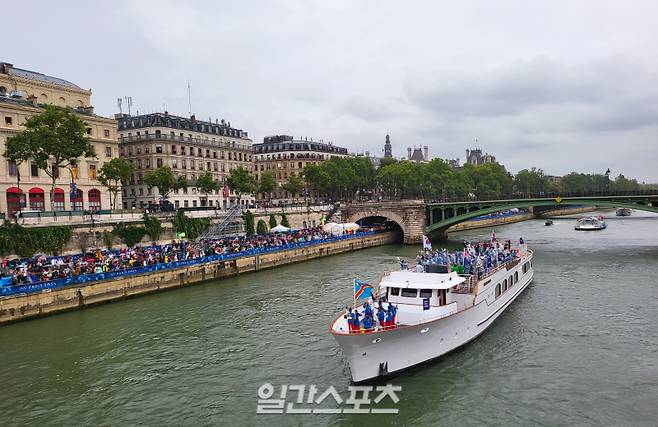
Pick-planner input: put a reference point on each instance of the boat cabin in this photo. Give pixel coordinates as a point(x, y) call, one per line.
point(424, 296)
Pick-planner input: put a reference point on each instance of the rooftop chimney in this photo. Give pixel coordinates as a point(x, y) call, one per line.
point(409, 151)
point(426, 153)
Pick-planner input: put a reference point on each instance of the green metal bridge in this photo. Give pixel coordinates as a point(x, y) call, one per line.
point(441, 215)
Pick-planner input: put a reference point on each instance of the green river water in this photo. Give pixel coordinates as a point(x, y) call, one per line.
point(578, 347)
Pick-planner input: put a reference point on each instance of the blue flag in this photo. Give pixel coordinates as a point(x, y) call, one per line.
point(361, 290)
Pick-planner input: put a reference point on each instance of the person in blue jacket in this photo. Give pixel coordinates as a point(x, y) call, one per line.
point(367, 323)
point(355, 320)
point(381, 316)
point(393, 311)
point(367, 310)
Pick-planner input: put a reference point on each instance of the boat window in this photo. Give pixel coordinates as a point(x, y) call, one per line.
point(425, 293)
point(409, 292)
point(395, 291)
point(497, 290)
point(504, 285)
point(516, 277)
point(511, 281)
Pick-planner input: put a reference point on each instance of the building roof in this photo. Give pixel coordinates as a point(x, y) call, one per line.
point(33, 75)
point(417, 155)
point(220, 128)
point(281, 143)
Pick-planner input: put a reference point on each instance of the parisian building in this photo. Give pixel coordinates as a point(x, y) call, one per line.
point(285, 156)
point(475, 157)
point(190, 147)
point(24, 93)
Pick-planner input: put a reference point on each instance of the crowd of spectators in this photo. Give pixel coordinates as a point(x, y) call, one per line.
point(42, 268)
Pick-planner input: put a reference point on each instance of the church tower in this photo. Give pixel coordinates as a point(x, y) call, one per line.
point(388, 153)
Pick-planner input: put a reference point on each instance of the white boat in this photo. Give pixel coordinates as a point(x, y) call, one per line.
point(590, 223)
point(437, 313)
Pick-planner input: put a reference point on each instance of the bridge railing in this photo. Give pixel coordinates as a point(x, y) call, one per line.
point(545, 195)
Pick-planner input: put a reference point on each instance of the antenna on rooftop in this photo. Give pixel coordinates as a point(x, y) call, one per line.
point(129, 103)
point(189, 98)
point(119, 100)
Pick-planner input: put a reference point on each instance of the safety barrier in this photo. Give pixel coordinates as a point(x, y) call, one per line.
point(86, 278)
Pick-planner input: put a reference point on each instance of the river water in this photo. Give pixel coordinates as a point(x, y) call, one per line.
point(580, 346)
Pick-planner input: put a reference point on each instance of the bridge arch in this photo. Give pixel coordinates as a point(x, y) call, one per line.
point(389, 216)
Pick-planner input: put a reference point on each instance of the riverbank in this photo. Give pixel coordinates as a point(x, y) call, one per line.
point(49, 301)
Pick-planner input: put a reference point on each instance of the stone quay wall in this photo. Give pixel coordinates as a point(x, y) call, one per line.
point(26, 306)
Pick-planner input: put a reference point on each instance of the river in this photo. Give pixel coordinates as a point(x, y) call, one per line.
point(580, 346)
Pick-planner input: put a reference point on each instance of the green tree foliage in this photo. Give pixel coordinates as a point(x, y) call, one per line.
point(53, 139)
point(342, 177)
point(532, 181)
point(115, 174)
point(192, 227)
point(153, 227)
point(241, 181)
point(206, 184)
point(294, 185)
point(26, 242)
point(129, 234)
point(621, 183)
point(261, 227)
point(108, 239)
point(284, 220)
point(267, 184)
point(272, 221)
point(164, 180)
point(248, 218)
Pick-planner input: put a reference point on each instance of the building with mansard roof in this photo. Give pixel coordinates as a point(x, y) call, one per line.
point(190, 147)
point(24, 93)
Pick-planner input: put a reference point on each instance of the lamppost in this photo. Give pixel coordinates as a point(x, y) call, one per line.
point(607, 181)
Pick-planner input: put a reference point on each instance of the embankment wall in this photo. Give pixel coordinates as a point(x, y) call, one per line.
point(52, 301)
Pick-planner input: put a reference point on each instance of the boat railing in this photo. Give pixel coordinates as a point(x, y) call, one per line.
point(466, 287)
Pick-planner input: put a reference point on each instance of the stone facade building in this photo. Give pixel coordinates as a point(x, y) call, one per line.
point(24, 93)
point(284, 156)
point(190, 147)
point(418, 154)
point(475, 157)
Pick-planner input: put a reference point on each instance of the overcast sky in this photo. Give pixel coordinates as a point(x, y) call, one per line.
point(561, 86)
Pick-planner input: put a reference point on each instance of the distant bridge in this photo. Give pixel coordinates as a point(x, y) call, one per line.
point(417, 217)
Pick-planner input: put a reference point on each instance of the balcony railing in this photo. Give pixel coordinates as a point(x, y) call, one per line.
point(186, 139)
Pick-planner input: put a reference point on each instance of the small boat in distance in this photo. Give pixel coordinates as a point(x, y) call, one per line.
point(623, 212)
point(590, 223)
point(548, 222)
point(440, 307)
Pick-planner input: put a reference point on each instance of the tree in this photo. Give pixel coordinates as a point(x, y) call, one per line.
point(294, 185)
point(284, 220)
point(267, 184)
point(53, 139)
point(248, 218)
point(115, 174)
point(261, 228)
point(206, 184)
point(241, 181)
point(272, 221)
point(531, 182)
point(164, 180)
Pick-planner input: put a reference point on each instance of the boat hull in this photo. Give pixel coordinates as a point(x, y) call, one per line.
point(384, 353)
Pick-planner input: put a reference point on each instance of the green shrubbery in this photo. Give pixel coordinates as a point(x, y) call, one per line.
point(261, 227)
point(25, 242)
point(284, 220)
point(129, 234)
point(192, 227)
point(248, 218)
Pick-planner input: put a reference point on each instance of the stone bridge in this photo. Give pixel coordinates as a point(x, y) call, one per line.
point(416, 217)
point(408, 214)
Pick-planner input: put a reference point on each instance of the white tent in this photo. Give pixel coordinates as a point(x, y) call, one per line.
point(279, 229)
point(338, 229)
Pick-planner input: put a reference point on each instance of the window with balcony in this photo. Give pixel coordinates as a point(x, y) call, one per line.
point(158, 149)
point(174, 163)
point(192, 165)
point(173, 149)
point(183, 164)
point(148, 163)
point(158, 162)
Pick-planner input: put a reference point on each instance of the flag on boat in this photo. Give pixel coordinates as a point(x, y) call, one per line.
point(361, 290)
point(426, 243)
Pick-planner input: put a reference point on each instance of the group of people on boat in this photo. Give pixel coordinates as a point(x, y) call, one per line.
point(41, 268)
point(477, 259)
point(368, 320)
